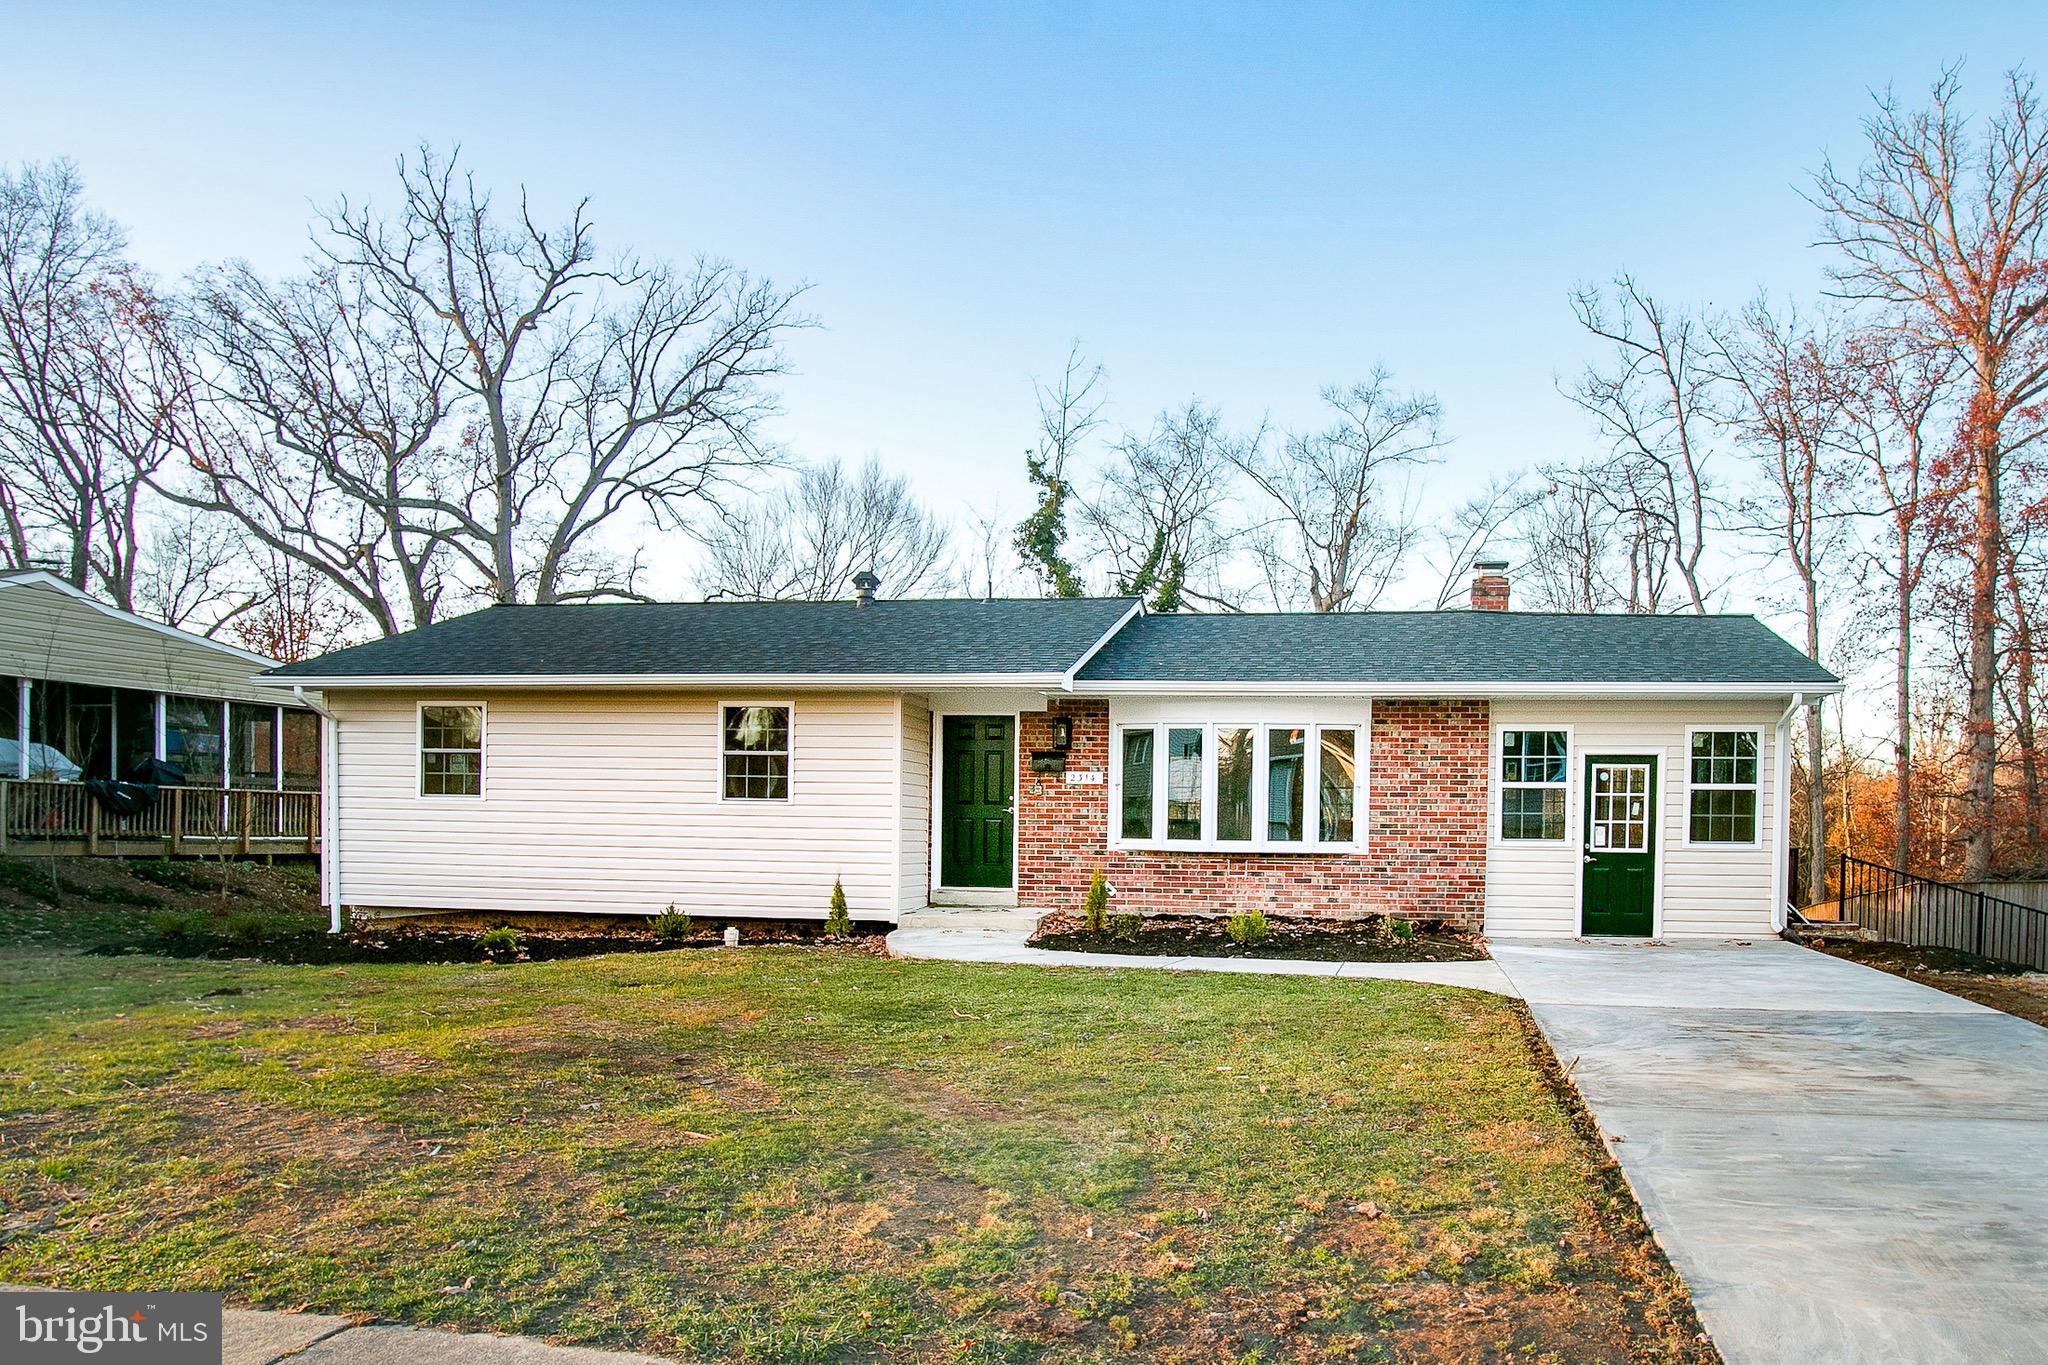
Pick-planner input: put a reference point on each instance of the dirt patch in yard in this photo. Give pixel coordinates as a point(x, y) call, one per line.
point(2000, 985)
point(1315, 940)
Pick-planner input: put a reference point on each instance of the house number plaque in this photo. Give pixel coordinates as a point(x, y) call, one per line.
point(1084, 779)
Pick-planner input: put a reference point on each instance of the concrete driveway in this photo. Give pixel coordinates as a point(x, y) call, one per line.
point(1844, 1165)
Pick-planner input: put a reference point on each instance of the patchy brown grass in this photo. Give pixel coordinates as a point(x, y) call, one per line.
point(811, 1155)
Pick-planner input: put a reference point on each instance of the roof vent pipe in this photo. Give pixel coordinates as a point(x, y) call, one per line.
point(1489, 585)
point(864, 585)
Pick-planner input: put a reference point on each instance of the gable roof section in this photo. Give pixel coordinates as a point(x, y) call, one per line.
point(1481, 649)
point(1033, 641)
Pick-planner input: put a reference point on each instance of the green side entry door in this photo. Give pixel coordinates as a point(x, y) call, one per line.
point(1620, 855)
point(977, 820)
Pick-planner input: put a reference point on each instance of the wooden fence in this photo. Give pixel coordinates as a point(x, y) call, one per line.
point(1900, 907)
point(2034, 893)
point(62, 818)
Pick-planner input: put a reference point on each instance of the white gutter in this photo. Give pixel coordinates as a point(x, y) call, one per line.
point(1781, 778)
point(825, 681)
point(1469, 688)
point(1065, 683)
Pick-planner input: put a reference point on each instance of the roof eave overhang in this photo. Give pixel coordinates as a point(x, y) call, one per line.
point(1154, 687)
point(805, 681)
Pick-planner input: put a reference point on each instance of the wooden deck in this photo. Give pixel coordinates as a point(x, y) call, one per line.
point(62, 818)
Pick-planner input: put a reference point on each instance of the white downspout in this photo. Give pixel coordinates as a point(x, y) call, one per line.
point(1781, 778)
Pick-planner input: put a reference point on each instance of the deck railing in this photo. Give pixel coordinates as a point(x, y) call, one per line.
point(64, 818)
point(1900, 907)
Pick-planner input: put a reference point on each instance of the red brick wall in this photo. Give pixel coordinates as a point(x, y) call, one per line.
point(1425, 857)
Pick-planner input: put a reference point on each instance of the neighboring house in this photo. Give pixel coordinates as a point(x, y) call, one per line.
point(1517, 772)
point(88, 691)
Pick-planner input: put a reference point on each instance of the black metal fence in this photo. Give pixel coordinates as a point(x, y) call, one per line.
point(1900, 907)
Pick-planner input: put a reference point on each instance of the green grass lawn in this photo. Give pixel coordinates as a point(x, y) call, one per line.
point(817, 1154)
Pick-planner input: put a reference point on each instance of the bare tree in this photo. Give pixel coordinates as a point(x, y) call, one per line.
point(1156, 517)
point(992, 565)
point(808, 542)
point(1949, 230)
point(1340, 529)
point(326, 433)
point(1498, 515)
point(194, 570)
point(1786, 382)
point(1652, 401)
point(1591, 544)
point(1894, 404)
point(1068, 412)
point(461, 401)
point(296, 614)
point(89, 392)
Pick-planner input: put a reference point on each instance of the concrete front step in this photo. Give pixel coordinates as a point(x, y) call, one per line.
point(1005, 919)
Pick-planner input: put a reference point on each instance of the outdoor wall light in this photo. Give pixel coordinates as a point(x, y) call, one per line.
point(1062, 732)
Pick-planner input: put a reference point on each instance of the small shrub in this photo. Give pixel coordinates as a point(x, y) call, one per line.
point(1097, 905)
point(174, 876)
point(35, 881)
point(1403, 930)
point(1246, 927)
point(1392, 929)
point(1126, 928)
point(838, 924)
point(671, 926)
point(179, 926)
point(248, 928)
point(499, 940)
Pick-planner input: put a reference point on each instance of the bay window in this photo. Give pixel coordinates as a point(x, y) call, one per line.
point(1275, 787)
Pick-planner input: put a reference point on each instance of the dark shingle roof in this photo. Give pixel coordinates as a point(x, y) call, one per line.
point(1452, 647)
point(736, 639)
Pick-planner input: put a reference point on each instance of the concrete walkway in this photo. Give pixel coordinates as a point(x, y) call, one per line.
point(1007, 947)
point(1843, 1165)
point(254, 1337)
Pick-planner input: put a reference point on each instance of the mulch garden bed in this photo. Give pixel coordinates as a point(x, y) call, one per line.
point(1313, 940)
point(317, 946)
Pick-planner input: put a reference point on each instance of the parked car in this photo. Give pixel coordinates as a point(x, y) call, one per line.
point(44, 763)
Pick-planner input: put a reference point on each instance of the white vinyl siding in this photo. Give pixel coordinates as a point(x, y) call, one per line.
point(914, 815)
point(1705, 890)
point(607, 802)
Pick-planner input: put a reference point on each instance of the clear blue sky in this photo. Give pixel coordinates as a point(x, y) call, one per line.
point(1242, 202)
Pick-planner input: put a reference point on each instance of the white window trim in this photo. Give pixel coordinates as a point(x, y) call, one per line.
point(419, 750)
point(1261, 730)
point(1497, 786)
point(1685, 838)
point(788, 753)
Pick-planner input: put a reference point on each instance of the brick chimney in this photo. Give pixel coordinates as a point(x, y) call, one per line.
point(1489, 585)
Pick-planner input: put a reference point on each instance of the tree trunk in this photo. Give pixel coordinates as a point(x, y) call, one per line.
point(1902, 743)
point(1980, 725)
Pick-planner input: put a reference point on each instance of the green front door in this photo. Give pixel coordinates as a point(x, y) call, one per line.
point(1620, 846)
point(976, 829)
